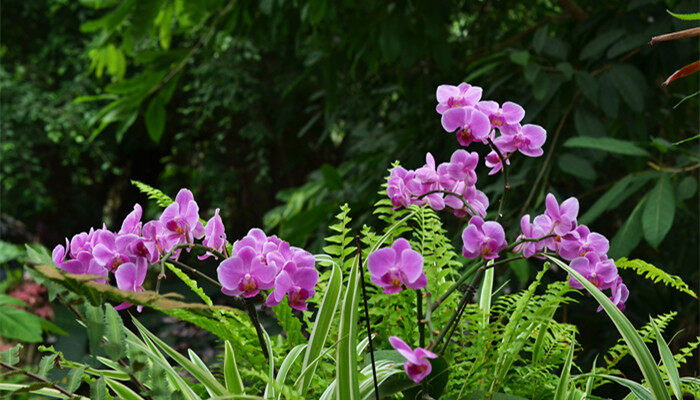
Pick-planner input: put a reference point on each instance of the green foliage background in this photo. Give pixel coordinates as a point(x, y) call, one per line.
point(279, 111)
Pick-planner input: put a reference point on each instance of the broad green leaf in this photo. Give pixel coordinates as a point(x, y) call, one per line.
point(608, 96)
point(154, 118)
point(541, 86)
point(566, 69)
point(659, 212)
point(520, 57)
point(600, 43)
point(9, 300)
point(607, 144)
point(631, 84)
point(630, 234)
point(540, 38)
point(686, 17)
point(346, 362)
point(621, 190)
point(322, 326)
point(639, 350)
point(587, 123)
point(38, 254)
point(232, 378)
point(19, 324)
point(316, 10)
point(577, 166)
point(588, 86)
point(686, 188)
point(331, 177)
point(626, 44)
point(668, 361)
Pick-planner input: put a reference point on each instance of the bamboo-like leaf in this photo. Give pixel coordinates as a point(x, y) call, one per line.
point(637, 389)
point(232, 377)
point(48, 392)
point(668, 361)
point(346, 369)
point(122, 391)
point(486, 293)
point(562, 391)
point(589, 381)
point(151, 351)
point(286, 365)
point(198, 362)
point(204, 377)
point(639, 350)
point(271, 361)
point(322, 326)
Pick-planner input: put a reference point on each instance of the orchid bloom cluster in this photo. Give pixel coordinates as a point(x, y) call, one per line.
point(453, 185)
point(128, 252)
point(476, 120)
point(433, 186)
point(260, 262)
point(587, 251)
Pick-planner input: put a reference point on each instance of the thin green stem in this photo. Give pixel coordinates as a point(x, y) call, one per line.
point(500, 262)
point(506, 186)
point(37, 378)
point(457, 313)
point(177, 247)
point(419, 316)
point(252, 313)
point(367, 321)
point(196, 272)
point(456, 285)
point(524, 240)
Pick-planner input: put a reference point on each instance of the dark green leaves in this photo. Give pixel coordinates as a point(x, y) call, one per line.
point(606, 144)
point(577, 166)
point(155, 119)
point(659, 212)
point(601, 42)
point(19, 324)
point(631, 84)
point(629, 235)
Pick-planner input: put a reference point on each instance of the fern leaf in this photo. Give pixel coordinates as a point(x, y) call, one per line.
point(162, 199)
point(191, 283)
point(655, 274)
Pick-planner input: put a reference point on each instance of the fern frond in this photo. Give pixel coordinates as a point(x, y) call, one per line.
point(162, 199)
point(655, 274)
point(191, 283)
point(687, 351)
point(620, 350)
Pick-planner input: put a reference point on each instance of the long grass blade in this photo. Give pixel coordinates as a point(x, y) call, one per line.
point(639, 350)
